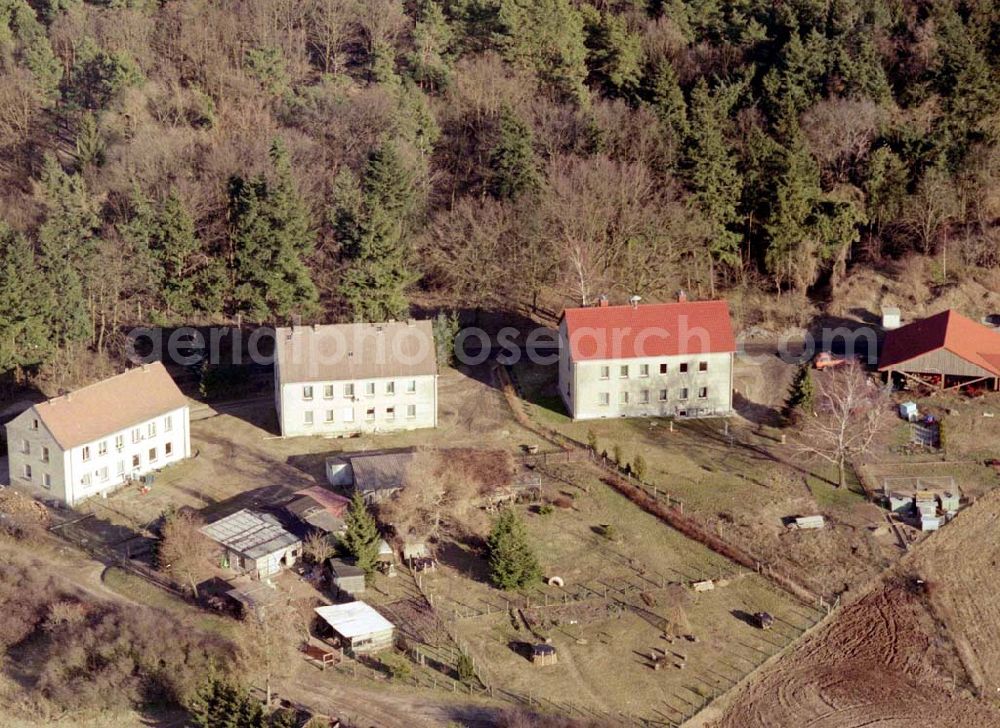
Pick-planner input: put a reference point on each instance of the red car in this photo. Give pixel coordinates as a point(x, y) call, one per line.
point(826, 360)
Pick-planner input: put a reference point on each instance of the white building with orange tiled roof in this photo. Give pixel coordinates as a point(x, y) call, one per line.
point(93, 440)
point(653, 360)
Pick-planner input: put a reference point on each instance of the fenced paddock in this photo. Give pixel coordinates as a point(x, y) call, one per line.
point(619, 605)
point(908, 484)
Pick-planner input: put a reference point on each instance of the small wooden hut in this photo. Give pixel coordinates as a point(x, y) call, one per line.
point(347, 578)
point(542, 654)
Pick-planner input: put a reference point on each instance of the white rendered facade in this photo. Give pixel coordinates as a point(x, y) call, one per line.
point(359, 405)
point(99, 465)
point(685, 385)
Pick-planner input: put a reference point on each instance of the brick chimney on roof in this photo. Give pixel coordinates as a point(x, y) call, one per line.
point(602, 301)
point(682, 297)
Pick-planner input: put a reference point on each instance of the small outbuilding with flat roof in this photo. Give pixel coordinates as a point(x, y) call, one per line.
point(359, 629)
point(255, 543)
point(254, 597)
point(346, 577)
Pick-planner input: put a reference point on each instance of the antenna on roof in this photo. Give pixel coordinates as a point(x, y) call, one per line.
point(634, 300)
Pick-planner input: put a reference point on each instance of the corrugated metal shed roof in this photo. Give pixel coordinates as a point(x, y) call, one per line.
point(251, 534)
point(353, 619)
point(333, 502)
point(383, 471)
point(325, 521)
point(320, 508)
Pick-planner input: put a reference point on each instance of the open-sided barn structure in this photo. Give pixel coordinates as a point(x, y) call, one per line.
point(946, 350)
point(359, 628)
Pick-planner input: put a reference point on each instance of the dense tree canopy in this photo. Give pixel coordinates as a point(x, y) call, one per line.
point(186, 162)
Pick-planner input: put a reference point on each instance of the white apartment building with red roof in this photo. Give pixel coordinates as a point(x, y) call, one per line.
point(653, 360)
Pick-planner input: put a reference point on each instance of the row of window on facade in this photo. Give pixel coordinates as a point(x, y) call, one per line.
point(604, 398)
point(624, 369)
point(348, 414)
point(329, 391)
point(103, 474)
point(102, 446)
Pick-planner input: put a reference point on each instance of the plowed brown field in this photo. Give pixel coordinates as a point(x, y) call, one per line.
point(960, 564)
point(877, 663)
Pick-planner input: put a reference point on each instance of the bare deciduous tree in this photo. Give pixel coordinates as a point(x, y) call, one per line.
point(840, 132)
point(317, 547)
point(269, 638)
point(445, 484)
point(330, 27)
point(470, 249)
point(852, 411)
point(616, 226)
point(20, 102)
point(382, 21)
point(934, 205)
point(184, 550)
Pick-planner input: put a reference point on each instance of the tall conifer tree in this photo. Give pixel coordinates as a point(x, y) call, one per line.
point(25, 304)
point(271, 235)
point(68, 245)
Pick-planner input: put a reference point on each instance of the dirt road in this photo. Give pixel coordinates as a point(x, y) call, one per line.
point(382, 707)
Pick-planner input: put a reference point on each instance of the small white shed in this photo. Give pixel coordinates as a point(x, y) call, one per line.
point(361, 630)
point(930, 523)
point(891, 318)
point(950, 502)
point(900, 502)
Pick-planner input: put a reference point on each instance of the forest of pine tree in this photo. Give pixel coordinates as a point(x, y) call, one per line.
point(195, 162)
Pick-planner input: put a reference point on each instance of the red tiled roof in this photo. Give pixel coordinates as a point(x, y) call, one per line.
point(330, 501)
point(651, 330)
point(949, 330)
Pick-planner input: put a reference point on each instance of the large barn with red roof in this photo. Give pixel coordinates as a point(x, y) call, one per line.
point(653, 360)
point(946, 350)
